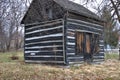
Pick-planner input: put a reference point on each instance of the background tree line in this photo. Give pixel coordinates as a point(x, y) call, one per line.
point(11, 31)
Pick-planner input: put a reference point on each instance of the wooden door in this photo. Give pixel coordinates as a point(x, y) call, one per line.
point(88, 47)
point(79, 43)
point(88, 43)
point(83, 45)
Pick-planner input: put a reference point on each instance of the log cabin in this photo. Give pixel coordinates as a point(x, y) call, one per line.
point(62, 32)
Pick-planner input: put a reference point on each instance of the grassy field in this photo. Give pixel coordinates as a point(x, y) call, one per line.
point(112, 56)
point(18, 70)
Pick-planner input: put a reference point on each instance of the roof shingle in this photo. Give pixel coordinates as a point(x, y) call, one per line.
point(76, 8)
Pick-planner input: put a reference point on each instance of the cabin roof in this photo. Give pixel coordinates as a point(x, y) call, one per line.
point(76, 8)
point(71, 7)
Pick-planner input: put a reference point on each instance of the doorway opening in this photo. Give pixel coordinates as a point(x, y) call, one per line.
point(87, 44)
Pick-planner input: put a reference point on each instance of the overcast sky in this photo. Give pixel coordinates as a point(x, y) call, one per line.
point(89, 6)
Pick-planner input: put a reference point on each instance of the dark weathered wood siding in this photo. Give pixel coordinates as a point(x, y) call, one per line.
point(55, 41)
point(44, 42)
point(74, 26)
point(37, 12)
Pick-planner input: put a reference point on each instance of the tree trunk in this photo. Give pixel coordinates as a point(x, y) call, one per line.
point(17, 36)
point(8, 46)
point(116, 10)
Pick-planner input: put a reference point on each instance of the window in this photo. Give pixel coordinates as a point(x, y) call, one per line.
point(49, 13)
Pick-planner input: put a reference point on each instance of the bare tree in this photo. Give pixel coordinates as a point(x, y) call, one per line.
point(114, 5)
point(11, 14)
point(3, 14)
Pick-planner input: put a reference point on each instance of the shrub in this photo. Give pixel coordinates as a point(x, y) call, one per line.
point(14, 57)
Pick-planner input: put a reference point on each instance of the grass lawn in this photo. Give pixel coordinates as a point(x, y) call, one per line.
point(5, 57)
point(111, 56)
point(18, 70)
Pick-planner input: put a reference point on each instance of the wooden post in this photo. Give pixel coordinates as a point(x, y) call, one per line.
point(24, 41)
point(119, 50)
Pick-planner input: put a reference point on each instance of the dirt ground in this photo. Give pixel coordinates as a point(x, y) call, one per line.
point(18, 70)
point(109, 70)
